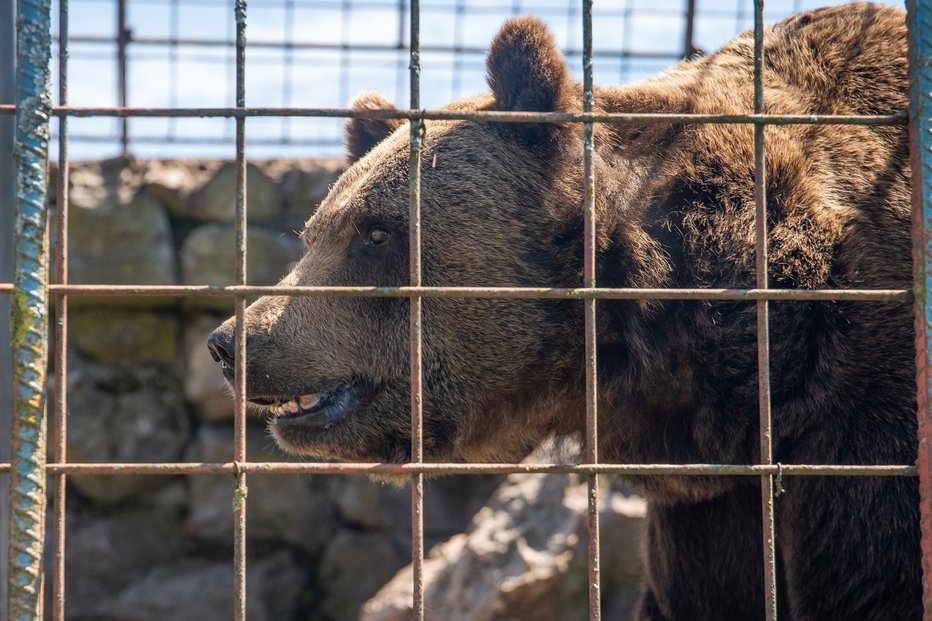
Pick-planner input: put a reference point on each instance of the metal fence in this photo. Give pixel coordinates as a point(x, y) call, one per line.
point(32, 288)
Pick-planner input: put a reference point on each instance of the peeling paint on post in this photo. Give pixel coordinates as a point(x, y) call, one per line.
point(920, 126)
point(29, 311)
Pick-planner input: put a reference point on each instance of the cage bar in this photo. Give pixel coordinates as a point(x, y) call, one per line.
point(417, 131)
point(60, 453)
point(29, 312)
point(239, 373)
point(919, 21)
point(763, 324)
point(592, 387)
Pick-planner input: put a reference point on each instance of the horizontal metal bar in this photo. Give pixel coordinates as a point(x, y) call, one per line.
point(353, 47)
point(169, 139)
point(492, 116)
point(174, 468)
point(796, 295)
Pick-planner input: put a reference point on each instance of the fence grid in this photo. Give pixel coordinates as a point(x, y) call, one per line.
point(31, 289)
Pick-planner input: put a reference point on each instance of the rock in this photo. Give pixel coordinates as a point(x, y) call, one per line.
point(216, 200)
point(524, 557)
point(204, 386)
point(353, 568)
point(289, 509)
point(174, 183)
point(107, 552)
point(114, 336)
point(305, 185)
point(133, 413)
point(208, 257)
point(122, 244)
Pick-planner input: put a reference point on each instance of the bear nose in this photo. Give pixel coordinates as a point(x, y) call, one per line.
point(221, 347)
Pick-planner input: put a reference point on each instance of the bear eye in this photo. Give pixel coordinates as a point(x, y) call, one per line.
point(377, 237)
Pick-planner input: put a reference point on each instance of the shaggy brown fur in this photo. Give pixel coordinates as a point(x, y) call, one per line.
point(678, 380)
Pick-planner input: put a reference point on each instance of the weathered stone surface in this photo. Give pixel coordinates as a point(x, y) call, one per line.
point(203, 590)
point(524, 557)
point(174, 182)
point(133, 413)
point(292, 509)
point(208, 257)
point(353, 568)
point(113, 336)
point(121, 243)
point(204, 386)
point(305, 184)
point(216, 200)
point(107, 552)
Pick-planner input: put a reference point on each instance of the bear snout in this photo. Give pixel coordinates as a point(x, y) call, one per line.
point(221, 346)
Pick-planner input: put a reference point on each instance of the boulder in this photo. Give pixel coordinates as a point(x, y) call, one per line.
point(305, 184)
point(114, 336)
point(216, 200)
point(204, 386)
point(291, 509)
point(208, 257)
point(131, 413)
point(175, 182)
point(118, 243)
point(525, 557)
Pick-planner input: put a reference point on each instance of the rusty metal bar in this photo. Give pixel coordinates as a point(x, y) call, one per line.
point(919, 23)
point(363, 47)
point(240, 489)
point(418, 130)
point(755, 470)
point(544, 293)
point(589, 266)
point(490, 116)
point(763, 324)
point(60, 453)
point(29, 312)
point(122, 41)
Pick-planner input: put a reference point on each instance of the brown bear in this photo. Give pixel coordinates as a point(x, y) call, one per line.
point(502, 206)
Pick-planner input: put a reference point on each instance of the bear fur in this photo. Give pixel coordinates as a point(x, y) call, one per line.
point(502, 206)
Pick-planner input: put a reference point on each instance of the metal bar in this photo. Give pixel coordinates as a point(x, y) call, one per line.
point(689, 47)
point(583, 293)
point(490, 116)
point(7, 200)
point(919, 23)
point(29, 313)
point(362, 47)
point(418, 130)
point(589, 265)
point(61, 325)
point(755, 470)
point(239, 374)
point(763, 324)
point(122, 40)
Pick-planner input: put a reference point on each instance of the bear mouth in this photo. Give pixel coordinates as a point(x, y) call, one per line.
point(315, 410)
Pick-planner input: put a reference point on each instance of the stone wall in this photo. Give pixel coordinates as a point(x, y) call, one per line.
point(143, 388)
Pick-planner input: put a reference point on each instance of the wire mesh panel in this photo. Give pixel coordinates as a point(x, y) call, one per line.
point(32, 288)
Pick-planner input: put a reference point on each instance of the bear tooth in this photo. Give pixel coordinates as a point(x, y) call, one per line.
point(291, 407)
point(275, 409)
point(308, 401)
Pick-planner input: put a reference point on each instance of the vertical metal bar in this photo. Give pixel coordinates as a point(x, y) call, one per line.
point(919, 21)
point(345, 15)
point(288, 70)
point(7, 199)
point(689, 47)
point(174, 30)
point(29, 313)
point(239, 380)
point(61, 322)
point(592, 390)
point(763, 322)
point(415, 317)
point(122, 39)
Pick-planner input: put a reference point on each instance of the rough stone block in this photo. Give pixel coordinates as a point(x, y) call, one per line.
point(216, 200)
point(114, 336)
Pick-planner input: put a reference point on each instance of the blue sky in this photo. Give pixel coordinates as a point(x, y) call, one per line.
point(161, 75)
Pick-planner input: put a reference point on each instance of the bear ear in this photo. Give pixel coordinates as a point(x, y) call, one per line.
point(526, 72)
point(364, 133)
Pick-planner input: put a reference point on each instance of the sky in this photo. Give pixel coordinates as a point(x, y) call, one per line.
point(348, 49)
